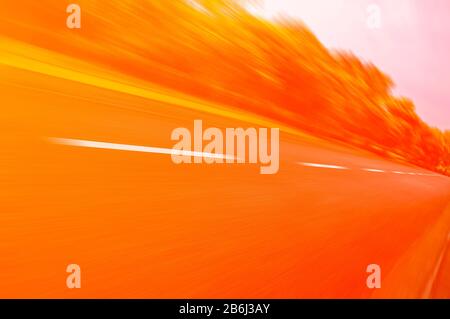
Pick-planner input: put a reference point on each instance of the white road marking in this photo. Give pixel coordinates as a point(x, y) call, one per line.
point(133, 148)
point(169, 151)
point(374, 170)
point(322, 165)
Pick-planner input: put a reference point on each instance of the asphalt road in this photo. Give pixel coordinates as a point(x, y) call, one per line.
point(141, 226)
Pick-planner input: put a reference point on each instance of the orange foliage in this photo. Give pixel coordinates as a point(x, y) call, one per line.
point(216, 50)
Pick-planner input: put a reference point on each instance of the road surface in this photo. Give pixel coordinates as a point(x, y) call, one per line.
point(140, 226)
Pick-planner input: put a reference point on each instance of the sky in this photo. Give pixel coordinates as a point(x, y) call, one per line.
point(409, 40)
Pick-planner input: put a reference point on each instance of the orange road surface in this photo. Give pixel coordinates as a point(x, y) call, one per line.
point(141, 226)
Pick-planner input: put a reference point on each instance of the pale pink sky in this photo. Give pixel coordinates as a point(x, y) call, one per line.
point(412, 45)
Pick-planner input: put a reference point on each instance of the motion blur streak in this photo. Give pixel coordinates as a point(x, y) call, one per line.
point(140, 226)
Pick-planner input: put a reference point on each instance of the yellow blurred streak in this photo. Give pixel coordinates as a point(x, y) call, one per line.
point(26, 57)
